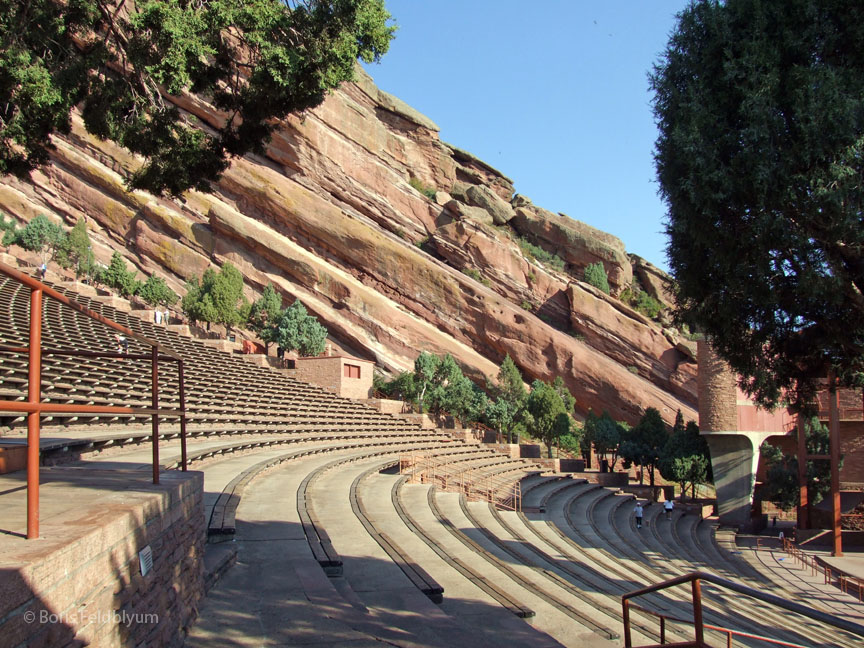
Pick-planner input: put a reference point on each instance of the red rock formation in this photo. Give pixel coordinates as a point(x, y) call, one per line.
point(329, 217)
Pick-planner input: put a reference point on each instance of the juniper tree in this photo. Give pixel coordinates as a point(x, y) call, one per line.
point(760, 155)
point(126, 63)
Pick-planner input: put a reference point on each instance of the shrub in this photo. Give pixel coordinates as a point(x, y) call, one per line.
point(539, 254)
point(429, 192)
point(475, 274)
point(595, 274)
point(636, 297)
point(527, 305)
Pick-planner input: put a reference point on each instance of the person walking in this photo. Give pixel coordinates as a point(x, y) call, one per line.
point(638, 511)
point(668, 505)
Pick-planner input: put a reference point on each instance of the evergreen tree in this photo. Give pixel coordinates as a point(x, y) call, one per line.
point(263, 314)
point(760, 109)
point(297, 330)
point(510, 392)
point(643, 444)
point(156, 292)
point(685, 458)
point(76, 251)
point(595, 274)
point(256, 61)
point(119, 277)
point(605, 434)
point(217, 298)
point(548, 419)
point(40, 235)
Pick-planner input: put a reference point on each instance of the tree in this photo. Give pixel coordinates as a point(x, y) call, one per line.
point(685, 458)
point(595, 274)
point(548, 420)
point(760, 155)
point(156, 292)
point(781, 483)
point(605, 434)
point(257, 61)
point(119, 277)
point(297, 330)
point(40, 235)
point(75, 251)
point(263, 314)
point(510, 392)
point(425, 368)
point(217, 298)
point(643, 444)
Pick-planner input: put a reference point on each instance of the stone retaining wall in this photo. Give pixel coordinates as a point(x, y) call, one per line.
point(88, 589)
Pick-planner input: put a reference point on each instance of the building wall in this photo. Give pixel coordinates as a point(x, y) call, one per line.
point(329, 372)
point(90, 590)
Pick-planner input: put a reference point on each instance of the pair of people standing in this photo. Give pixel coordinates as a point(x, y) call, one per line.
point(639, 511)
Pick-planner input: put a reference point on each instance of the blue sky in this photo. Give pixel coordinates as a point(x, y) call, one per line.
point(552, 93)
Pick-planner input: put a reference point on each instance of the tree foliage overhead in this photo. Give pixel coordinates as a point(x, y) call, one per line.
point(760, 158)
point(256, 60)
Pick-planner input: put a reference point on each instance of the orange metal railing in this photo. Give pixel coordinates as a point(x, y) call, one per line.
point(695, 580)
point(505, 493)
point(847, 584)
point(35, 408)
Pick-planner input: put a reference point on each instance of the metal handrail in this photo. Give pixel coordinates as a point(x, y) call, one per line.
point(34, 407)
point(695, 578)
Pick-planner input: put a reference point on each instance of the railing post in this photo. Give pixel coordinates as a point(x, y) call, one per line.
point(34, 395)
point(834, 444)
point(154, 387)
point(625, 604)
point(183, 415)
point(697, 613)
point(662, 630)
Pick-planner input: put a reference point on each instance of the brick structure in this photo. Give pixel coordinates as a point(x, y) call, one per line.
point(344, 375)
point(82, 584)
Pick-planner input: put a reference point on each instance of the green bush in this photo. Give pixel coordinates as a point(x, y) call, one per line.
point(429, 192)
point(595, 274)
point(636, 297)
point(539, 254)
point(475, 274)
point(527, 305)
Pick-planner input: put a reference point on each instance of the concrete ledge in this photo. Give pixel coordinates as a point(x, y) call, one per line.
point(117, 303)
point(386, 406)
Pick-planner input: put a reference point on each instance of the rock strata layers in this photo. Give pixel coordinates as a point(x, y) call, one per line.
point(332, 215)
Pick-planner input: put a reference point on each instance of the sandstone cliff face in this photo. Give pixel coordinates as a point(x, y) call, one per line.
point(330, 216)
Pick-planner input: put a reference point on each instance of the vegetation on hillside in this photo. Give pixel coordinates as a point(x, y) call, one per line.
point(256, 61)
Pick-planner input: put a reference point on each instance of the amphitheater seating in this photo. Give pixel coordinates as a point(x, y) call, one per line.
point(334, 549)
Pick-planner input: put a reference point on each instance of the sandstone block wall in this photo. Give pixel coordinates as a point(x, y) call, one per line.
point(329, 372)
point(90, 590)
